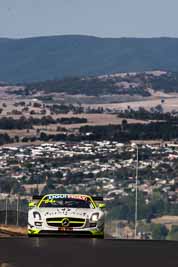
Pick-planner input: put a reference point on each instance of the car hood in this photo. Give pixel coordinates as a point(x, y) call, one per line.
point(65, 212)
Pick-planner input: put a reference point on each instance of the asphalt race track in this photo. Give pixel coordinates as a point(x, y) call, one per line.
point(28, 252)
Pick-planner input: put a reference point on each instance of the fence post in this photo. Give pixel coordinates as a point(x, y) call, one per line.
point(6, 211)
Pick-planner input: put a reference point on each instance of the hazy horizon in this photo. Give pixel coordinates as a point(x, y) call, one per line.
point(87, 35)
point(99, 18)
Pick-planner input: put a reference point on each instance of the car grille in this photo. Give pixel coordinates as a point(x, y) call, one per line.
point(66, 233)
point(73, 222)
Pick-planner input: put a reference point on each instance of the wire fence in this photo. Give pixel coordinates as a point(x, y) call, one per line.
point(13, 211)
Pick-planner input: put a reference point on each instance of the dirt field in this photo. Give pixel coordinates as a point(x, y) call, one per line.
point(169, 104)
point(13, 230)
point(13, 133)
point(93, 119)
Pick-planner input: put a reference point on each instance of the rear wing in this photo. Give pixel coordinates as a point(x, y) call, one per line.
point(37, 197)
point(97, 198)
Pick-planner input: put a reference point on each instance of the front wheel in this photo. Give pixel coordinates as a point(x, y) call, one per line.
point(30, 235)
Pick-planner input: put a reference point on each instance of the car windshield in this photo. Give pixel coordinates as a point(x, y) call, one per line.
point(66, 203)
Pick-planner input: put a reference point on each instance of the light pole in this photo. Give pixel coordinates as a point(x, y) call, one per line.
point(136, 189)
point(17, 210)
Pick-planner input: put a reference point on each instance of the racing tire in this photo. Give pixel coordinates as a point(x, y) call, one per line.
point(31, 235)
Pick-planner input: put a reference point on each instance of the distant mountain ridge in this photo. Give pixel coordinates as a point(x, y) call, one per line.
point(55, 57)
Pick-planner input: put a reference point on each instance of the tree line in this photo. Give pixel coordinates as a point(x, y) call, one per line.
point(91, 86)
point(9, 123)
point(126, 132)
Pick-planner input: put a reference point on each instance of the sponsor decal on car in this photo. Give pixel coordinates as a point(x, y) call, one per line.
point(63, 196)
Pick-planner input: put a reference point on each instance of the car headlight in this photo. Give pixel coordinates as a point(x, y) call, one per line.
point(94, 217)
point(37, 215)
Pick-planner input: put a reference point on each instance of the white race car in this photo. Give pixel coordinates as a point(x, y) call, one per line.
point(66, 214)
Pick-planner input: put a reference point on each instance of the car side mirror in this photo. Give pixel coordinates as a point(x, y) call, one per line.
point(31, 205)
point(102, 205)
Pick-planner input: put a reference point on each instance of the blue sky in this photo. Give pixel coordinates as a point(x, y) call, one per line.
point(103, 18)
